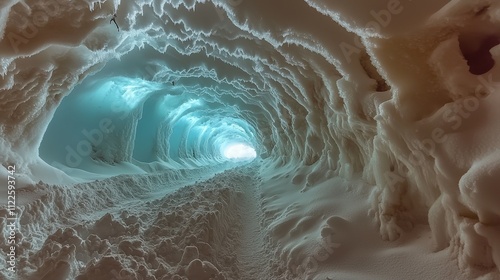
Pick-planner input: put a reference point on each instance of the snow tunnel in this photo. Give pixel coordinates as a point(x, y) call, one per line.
point(125, 112)
point(249, 139)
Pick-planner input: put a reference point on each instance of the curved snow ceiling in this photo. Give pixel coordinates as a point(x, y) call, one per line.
point(384, 92)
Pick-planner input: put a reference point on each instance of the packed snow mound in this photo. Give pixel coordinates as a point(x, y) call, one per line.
point(398, 95)
point(188, 233)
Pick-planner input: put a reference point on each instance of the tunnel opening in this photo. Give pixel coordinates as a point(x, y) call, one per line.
point(118, 118)
point(239, 152)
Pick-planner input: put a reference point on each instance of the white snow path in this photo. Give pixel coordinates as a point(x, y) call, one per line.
point(252, 257)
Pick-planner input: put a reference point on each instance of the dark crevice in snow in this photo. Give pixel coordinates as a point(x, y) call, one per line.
point(373, 73)
point(479, 59)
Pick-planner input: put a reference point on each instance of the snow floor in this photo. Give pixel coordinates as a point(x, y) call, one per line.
point(238, 224)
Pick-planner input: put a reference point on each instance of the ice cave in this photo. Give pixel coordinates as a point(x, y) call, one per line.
point(249, 139)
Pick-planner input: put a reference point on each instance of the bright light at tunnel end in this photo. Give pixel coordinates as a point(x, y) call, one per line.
point(239, 152)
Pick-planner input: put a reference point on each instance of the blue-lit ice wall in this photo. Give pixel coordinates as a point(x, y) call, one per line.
point(128, 113)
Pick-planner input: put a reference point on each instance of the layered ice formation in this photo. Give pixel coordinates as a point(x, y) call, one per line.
point(249, 139)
